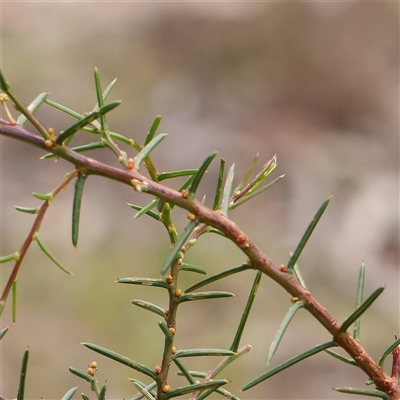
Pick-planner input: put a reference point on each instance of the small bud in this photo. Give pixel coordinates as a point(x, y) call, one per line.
point(49, 144)
point(191, 217)
point(283, 268)
point(241, 241)
point(180, 261)
point(166, 311)
point(168, 279)
point(173, 350)
point(130, 163)
point(185, 194)
point(157, 370)
point(50, 131)
point(178, 293)
point(93, 365)
point(172, 330)
point(90, 371)
point(166, 388)
point(3, 98)
point(249, 262)
point(219, 212)
point(294, 299)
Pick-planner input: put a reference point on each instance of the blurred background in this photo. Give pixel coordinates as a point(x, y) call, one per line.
point(315, 83)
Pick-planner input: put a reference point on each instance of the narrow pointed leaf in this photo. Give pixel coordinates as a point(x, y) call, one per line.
point(289, 363)
point(32, 108)
point(100, 101)
point(149, 207)
point(40, 196)
point(81, 373)
point(227, 190)
point(144, 282)
point(85, 121)
point(221, 391)
point(339, 357)
point(218, 276)
point(150, 213)
point(144, 392)
point(180, 391)
point(179, 243)
point(359, 299)
point(10, 257)
point(84, 397)
point(185, 372)
point(3, 83)
point(361, 309)
point(102, 394)
point(4, 331)
point(200, 173)
point(153, 129)
point(296, 254)
point(388, 351)
point(64, 109)
point(70, 394)
point(244, 199)
point(176, 174)
point(246, 177)
point(76, 208)
point(147, 149)
point(363, 392)
point(106, 93)
point(299, 276)
point(218, 190)
point(22, 376)
point(203, 352)
point(282, 328)
point(27, 209)
point(236, 341)
point(228, 360)
point(122, 359)
point(49, 254)
point(204, 296)
point(193, 268)
point(79, 149)
point(150, 307)
point(162, 325)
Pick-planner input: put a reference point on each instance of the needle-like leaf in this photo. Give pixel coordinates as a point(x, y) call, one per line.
point(122, 359)
point(70, 394)
point(22, 376)
point(178, 245)
point(85, 121)
point(32, 108)
point(236, 341)
point(361, 309)
point(200, 173)
point(76, 207)
point(363, 392)
point(282, 328)
point(296, 254)
point(359, 299)
point(289, 363)
point(147, 149)
point(217, 277)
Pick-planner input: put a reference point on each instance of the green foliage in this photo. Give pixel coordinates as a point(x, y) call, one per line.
point(202, 220)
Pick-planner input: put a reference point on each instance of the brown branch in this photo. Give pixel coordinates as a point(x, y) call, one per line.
point(257, 258)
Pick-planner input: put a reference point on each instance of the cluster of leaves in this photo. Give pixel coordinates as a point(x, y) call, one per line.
point(199, 384)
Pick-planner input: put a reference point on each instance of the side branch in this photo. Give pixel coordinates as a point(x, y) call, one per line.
point(257, 258)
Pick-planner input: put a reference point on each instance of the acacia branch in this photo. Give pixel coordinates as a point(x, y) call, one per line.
point(257, 259)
